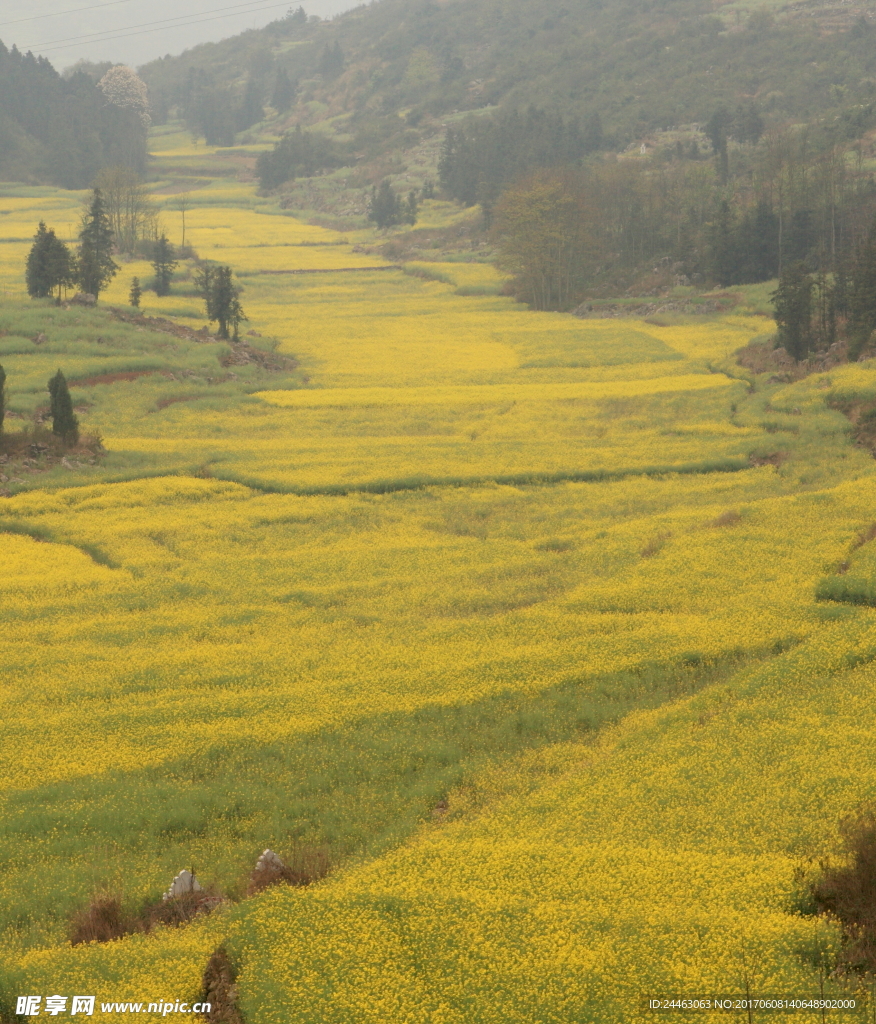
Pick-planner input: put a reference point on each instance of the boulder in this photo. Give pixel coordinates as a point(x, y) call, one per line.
point(269, 861)
point(184, 882)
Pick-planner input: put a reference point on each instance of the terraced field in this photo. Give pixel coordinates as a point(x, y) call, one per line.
point(528, 620)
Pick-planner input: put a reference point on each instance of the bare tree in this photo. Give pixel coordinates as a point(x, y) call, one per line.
point(183, 203)
point(133, 215)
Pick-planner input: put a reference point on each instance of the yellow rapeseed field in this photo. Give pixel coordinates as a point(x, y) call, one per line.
point(523, 617)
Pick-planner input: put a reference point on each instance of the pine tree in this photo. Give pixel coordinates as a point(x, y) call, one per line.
point(724, 249)
point(284, 92)
point(135, 293)
point(96, 266)
point(384, 208)
point(221, 299)
point(251, 110)
point(39, 283)
point(717, 130)
point(2, 397)
point(792, 301)
point(164, 264)
point(331, 62)
point(861, 292)
point(61, 264)
point(64, 421)
point(409, 209)
point(50, 264)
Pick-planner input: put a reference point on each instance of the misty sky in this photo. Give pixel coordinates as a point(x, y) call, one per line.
point(124, 31)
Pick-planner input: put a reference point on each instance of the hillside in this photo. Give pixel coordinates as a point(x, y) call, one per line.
point(521, 618)
point(707, 146)
point(639, 66)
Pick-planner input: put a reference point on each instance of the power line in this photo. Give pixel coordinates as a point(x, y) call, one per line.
point(145, 27)
point(61, 14)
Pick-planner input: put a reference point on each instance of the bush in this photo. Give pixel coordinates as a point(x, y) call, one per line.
point(848, 892)
point(305, 865)
point(104, 919)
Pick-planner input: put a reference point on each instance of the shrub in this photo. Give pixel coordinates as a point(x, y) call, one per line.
point(102, 921)
point(105, 919)
point(64, 421)
point(305, 864)
point(848, 892)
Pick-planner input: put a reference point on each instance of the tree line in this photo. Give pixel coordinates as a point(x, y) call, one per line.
point(63, 131)
point(299, 154)
point(795, 196)
point(482, 156)
point(51, 265)
point(813, 310)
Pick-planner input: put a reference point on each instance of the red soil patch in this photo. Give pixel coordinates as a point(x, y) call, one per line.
point(109, 378)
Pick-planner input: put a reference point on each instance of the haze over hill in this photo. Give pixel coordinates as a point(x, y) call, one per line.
point(136, 31)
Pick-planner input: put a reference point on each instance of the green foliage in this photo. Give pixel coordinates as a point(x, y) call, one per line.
point(386, 208)
point(64, 421)
point(135, 292)
point(50, 264)
point(220, 295)
point(862, 290)
point(638, 69)
point(546, 231)
point(251, 110)
point(60, 130)
point(793, 310)
point(164, 264)
point(331, 62)
point(485, 154)
point(744, 250)
point(298, 154)
point(96, 265)
point(284, 91)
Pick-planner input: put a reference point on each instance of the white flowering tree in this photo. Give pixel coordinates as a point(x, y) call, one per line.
point(123, 87)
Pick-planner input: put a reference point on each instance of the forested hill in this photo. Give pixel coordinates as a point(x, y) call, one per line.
point(61, 130)
point(638, 65)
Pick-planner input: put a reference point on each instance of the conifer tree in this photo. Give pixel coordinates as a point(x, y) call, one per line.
point(2, 397)
point(331, 62)
point(409, 210)
point(135, 293)
point(792, 301)
point(221, 299)
point(164, 264)
point(50, 264)
point(96, 266)
point(385, 209)
point(284, 92)
point(39, 283)
point(64, 422)
point(251, 110)
point(862, 292)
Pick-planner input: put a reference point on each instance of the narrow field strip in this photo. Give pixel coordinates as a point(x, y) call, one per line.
point(330, 270)
point(467, 394)
point(418, 483)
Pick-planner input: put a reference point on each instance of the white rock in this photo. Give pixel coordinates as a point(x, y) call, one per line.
point(184, 882)
point(269, 860)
